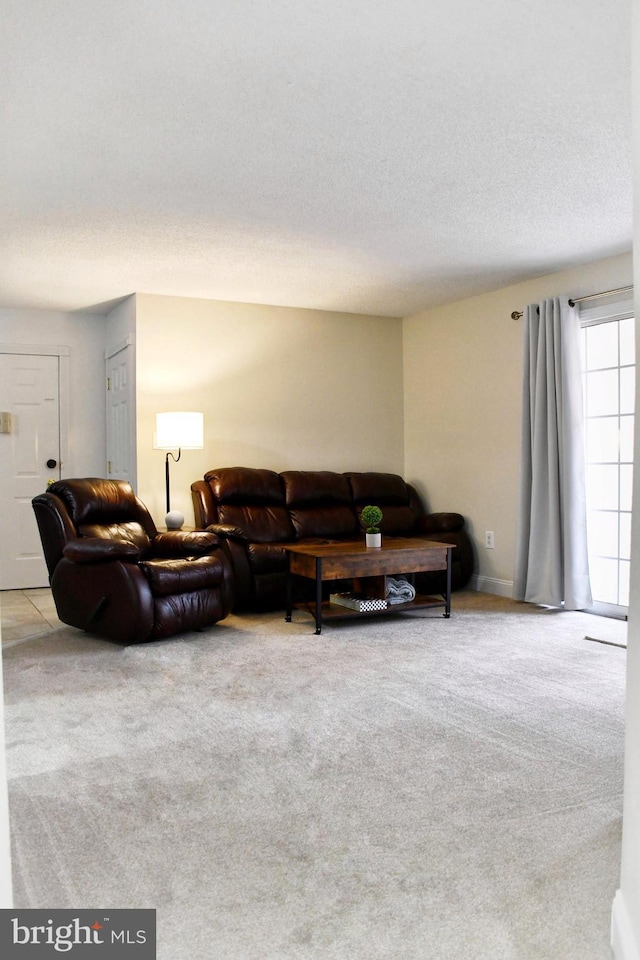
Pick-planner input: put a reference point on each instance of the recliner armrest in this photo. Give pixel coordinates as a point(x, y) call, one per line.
point(184, 543)
point(228, 532)
point(100, 550)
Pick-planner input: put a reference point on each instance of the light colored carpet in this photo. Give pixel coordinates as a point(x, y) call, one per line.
point(401, 788)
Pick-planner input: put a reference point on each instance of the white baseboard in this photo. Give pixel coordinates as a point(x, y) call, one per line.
point(501, 588)
point(623, 941)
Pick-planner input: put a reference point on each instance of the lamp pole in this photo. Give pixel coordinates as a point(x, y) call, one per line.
point(166, 472)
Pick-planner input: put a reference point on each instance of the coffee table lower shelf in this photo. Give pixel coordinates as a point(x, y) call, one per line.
point(334, 611)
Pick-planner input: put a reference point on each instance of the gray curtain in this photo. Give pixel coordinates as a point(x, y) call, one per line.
point(551, 559)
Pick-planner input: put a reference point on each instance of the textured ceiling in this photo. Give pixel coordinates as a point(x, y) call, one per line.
point(344, 155)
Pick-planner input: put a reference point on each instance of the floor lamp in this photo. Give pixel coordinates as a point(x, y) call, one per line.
point(181, 431)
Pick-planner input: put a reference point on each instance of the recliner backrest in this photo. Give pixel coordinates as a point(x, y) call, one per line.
point(98, 507)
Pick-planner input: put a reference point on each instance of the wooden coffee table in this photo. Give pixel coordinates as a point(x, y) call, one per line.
point(368, 568)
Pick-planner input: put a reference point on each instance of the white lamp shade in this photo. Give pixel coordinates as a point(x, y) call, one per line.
point(179, 431)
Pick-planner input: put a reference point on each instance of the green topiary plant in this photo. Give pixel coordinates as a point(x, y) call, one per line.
point(371, 518)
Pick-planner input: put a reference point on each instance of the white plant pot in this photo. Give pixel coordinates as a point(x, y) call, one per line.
point(374, 540)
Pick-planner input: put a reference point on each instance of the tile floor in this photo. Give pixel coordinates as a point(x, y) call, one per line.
point(26, 613)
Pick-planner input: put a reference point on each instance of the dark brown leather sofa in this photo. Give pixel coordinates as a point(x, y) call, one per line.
point(254, 512)
point(113, 574)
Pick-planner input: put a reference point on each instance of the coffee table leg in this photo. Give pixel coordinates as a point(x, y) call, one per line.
point(287, 615)
point(447, 599)
point(318, 595)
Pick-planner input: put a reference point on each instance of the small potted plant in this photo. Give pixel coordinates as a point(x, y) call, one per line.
point(371, 517)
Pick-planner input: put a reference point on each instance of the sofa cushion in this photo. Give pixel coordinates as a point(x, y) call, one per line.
point(259, 524)
point(315, 486)
point(398, 521)
point(245, 485)
point(378, 488)
point(252, 500)
point(389, 492)
point(267, 557)
point(319, 503)
point(325, 523)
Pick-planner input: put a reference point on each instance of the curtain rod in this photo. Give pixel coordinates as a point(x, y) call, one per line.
point(591, 296)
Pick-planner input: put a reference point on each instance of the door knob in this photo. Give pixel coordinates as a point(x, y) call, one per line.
point(52, 463)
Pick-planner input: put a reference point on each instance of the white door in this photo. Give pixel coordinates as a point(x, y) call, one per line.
point(29, 456)
point(120, 431)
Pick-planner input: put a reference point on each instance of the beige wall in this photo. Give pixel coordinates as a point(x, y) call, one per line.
point(462, 393)
point(280, 388)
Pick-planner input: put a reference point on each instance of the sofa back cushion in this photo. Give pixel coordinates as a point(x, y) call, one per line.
point(252, 500)
point(320, 504)
point(389, 492)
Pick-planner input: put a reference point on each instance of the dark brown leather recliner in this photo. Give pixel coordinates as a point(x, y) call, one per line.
point(113, 574)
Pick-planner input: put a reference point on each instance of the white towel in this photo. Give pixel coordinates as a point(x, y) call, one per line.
point(399, 590)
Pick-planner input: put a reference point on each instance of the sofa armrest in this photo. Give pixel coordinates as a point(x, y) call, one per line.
point(441, 523)
point(227, 531)
point(449, 528)
point(184, 543)
point(100, 550)
point(204, 504)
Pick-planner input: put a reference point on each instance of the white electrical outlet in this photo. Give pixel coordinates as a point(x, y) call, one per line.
point(488, 539)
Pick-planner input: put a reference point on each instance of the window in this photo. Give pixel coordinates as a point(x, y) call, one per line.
point(608, 365)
